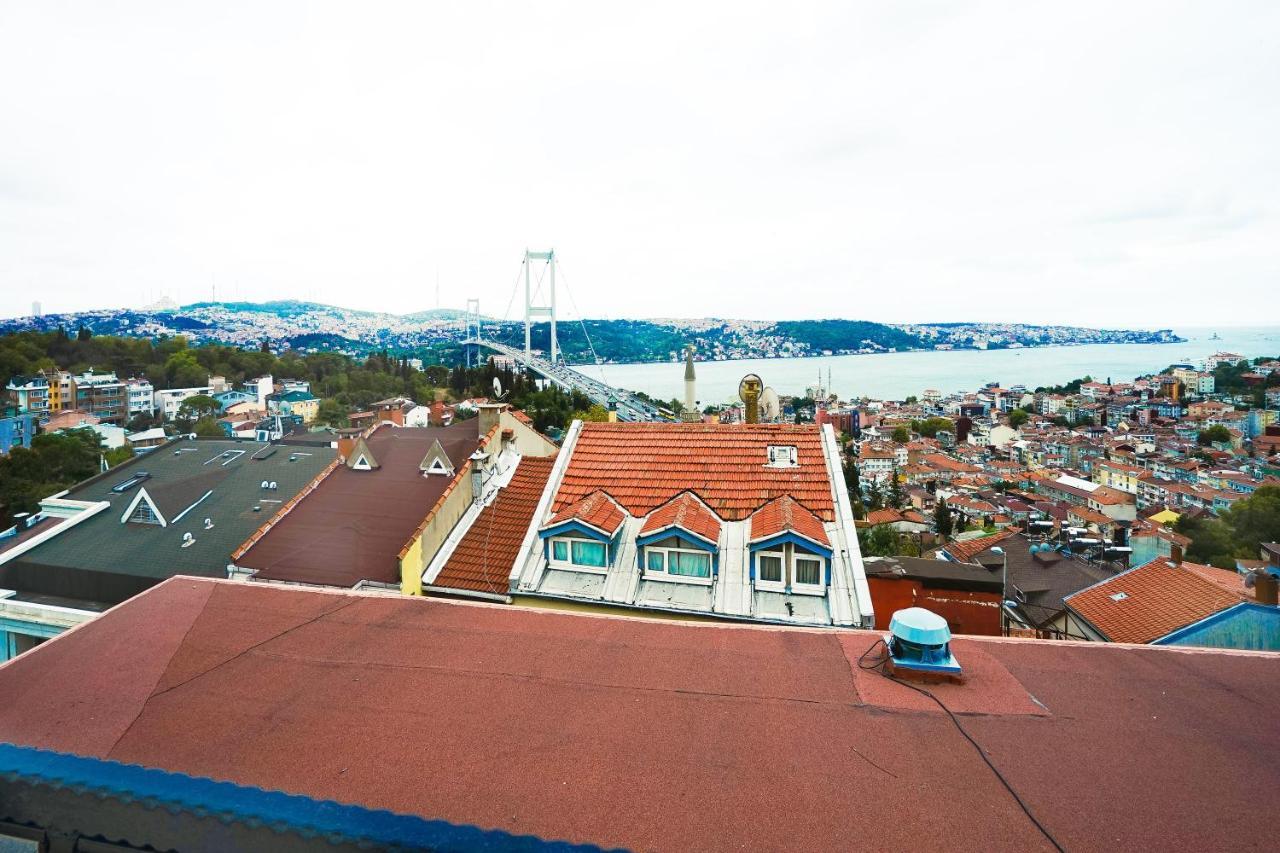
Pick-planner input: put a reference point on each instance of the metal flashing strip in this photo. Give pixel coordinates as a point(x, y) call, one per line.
point(136, 786)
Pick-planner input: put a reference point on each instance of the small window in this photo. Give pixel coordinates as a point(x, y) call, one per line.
point(560, 550)
point(770, 568)
point(690, 564)
point(657, 560)
point(143, 514)
point(808, 571)
point(586, 553)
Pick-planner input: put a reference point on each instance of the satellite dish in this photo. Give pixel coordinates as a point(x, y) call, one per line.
point(497, 388)
point(770, 408)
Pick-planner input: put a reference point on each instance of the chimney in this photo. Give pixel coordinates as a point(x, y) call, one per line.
point(1266, 587)
point(490, 416)
point(1175, 553)
point(477, 475)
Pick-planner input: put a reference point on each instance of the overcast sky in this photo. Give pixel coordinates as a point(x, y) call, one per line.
point(1096, 163)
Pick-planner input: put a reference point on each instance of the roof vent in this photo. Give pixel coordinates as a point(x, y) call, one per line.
point(919, 644)
point(782, 456)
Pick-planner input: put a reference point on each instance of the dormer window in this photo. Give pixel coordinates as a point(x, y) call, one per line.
point(782, 456)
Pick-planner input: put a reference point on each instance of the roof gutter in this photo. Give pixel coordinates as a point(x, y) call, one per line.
point(452, 592)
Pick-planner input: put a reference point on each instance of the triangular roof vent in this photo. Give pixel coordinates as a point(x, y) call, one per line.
point(436, 461)
point(361, 458)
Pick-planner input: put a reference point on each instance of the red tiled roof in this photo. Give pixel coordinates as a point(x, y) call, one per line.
point(1156, 599)
point(483, 559)
point(697, 716)
point(888, 515)
point(965, 551)
point(785, 514)
point(644, 465)
point(596, 509)
point(686, 512)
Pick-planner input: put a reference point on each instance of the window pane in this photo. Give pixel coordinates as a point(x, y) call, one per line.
point(808, 571)
point(690, 565)
point(560, 550)
point(770, 568)
point(588, 553)
point(657, 561)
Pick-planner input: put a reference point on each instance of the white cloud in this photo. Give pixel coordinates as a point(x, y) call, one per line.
point(1098, 163)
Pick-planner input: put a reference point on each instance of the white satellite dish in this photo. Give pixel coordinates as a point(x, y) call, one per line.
point(497, 388)
point(770, 407)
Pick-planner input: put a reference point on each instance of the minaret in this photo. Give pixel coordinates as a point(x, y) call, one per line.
point(691, 412)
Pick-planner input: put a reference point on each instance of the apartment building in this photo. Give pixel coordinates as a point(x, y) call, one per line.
point(101, 395)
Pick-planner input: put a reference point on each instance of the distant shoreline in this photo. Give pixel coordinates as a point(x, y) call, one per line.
point(697, 360)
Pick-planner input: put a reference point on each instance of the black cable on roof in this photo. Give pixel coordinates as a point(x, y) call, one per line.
point(878, 667)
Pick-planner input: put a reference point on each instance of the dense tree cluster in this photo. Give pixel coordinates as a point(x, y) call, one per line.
point(1238, 533)
point(55, 461)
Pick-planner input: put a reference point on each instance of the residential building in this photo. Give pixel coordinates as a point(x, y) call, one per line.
point(61, 390)
point(738, 521)
point(134, 713)
point(966, 595)
point(102, 395)
point(169, 400)
point(29, 394)
point(141, 396)
point(17, 428)
point(177, 511)
point(380, 517)
point(1156, 602)
point(296, 402)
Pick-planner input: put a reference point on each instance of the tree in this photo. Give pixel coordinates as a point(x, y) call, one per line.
point(198, 406)
point(1238, 533)
point(83, 334)
point(930, 427)
point(208, 427)
point(597, 414)
point(1017, 418)
point(942, 518)
point(901, 434)
point(895, 496)
point(1216, 434)
point(116, 455)
point(910, 401)
point(332, 413)
point(883, 541)
point(875, 499)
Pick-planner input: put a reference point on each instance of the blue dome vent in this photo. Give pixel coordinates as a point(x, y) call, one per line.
point(919, 641)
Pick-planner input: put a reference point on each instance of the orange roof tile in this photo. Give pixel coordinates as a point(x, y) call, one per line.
point(785, 514)
point(686, 512)
point(483, 559)
point(965, 551)
point(644, 465)
point(888, 515)
point(1149, 602)
point(596, 509)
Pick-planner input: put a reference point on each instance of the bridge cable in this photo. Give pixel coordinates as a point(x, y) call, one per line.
point(581, 322)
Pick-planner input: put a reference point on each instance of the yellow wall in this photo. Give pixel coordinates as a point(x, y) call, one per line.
point(428, 538)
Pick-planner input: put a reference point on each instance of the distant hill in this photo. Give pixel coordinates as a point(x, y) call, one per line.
point(441, 315)
point(435, 334)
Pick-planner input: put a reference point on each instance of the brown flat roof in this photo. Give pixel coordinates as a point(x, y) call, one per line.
point(353, 525)
point(659, 735)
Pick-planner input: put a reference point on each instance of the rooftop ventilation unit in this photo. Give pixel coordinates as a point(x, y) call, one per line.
point(919, 644)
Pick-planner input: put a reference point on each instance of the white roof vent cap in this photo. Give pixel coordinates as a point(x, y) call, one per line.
point(919, 643)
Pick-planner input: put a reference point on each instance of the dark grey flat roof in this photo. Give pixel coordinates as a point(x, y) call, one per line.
point(181, 473)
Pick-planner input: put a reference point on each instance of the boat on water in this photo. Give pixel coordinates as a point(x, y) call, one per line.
point(1215, 337)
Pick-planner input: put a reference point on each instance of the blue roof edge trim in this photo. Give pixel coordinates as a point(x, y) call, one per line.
point(575, 525)
point(301, 814)
point(695, 539)
point(795, 539)
point(1212, 619)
